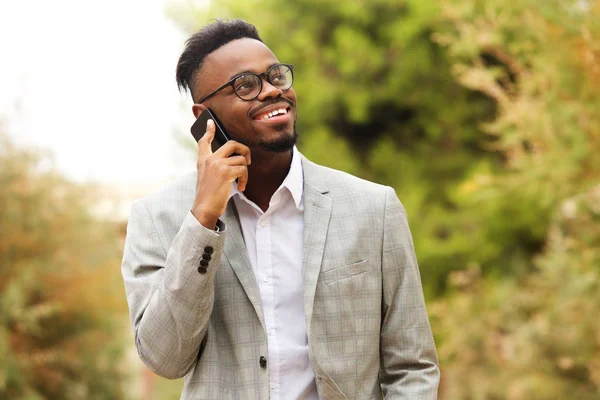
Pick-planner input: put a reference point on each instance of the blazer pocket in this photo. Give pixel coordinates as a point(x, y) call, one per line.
point(345, 272)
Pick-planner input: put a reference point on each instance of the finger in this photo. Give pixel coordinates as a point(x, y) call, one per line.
point(236, 160)
point(204, 144)
point(232, 147)
point(241, 174)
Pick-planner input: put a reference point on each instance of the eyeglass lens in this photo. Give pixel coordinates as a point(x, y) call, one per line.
point(248, 86)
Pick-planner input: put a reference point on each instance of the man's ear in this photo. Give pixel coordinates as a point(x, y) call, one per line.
point(197, 109)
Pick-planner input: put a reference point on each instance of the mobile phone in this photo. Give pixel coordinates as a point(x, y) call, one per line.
point(199, 129)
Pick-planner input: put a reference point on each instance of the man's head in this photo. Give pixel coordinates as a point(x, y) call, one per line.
point(226, 50)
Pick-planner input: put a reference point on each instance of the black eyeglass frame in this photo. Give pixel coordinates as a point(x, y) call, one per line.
point(260, 82)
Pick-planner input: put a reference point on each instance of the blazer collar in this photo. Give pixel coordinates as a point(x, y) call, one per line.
point(313, 176)
point(317, 212)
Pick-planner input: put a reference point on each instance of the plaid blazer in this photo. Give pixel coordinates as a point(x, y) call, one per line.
point(368, 331)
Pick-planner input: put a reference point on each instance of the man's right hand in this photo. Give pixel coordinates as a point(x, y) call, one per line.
point(216, 172)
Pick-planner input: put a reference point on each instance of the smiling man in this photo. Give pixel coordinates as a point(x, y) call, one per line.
point(263, 275)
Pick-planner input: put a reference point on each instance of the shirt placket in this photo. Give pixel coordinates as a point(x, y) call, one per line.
point(264, 259)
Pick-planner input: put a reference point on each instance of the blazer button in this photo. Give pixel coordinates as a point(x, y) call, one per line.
point(206, 256)
point(204, 263)
point(263, 362)
point(208, 250)
point(202, 270)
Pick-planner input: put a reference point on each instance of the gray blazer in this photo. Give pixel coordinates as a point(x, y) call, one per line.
point(368, 331)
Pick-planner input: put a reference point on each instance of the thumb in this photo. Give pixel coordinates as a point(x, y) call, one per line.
point(204, 144)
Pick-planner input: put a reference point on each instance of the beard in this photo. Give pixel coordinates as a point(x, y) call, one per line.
point(280, 144)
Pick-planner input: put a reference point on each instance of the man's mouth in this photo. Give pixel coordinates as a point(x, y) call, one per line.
point(277, 113)
point(272, 113)
point(278, 109)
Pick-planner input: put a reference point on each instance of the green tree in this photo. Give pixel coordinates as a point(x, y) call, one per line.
point(535, 337)
point(484, 117)
point(378, 98)
point(61, 301)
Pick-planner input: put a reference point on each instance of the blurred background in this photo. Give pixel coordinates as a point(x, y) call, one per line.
point(483, 115)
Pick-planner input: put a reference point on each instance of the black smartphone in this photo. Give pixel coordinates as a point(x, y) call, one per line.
point(199, 129)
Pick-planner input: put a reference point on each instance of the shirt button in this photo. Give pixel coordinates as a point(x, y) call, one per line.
point(262, 223)
point(270, 332)
point(265, 279)
point(272, 386)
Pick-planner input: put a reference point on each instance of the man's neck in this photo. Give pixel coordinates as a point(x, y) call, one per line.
point(266, 173)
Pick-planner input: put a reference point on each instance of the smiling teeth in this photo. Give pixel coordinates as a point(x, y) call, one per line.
point(274, 113)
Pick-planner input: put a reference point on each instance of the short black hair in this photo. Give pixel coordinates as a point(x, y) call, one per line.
point(204, 42)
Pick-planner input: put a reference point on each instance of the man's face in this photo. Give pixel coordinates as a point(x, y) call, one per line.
point(243, 120)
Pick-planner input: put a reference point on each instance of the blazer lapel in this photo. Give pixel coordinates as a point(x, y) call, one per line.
point(236, 253)
point(317, 212)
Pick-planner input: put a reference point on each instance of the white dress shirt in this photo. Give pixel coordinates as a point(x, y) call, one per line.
point(274, 240)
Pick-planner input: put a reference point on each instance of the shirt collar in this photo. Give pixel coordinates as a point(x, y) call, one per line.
point(293, 182)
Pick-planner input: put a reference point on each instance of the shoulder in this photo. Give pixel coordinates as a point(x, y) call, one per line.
point(172, 197)
point(342, 185)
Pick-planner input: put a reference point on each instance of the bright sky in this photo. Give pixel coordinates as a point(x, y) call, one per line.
point(94, 82)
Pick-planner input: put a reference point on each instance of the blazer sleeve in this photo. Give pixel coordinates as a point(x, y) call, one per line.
point(409, 365)
point(170, 301)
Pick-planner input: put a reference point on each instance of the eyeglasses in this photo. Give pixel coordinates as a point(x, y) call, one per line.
point(247, 86)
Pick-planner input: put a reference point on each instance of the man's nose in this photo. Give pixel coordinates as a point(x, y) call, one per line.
point(268, 90)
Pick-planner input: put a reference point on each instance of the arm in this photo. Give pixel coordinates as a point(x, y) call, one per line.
point(408, 357)
point(170, 301)
point(170, 298)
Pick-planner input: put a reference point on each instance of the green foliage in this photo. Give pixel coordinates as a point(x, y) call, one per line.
point(377, 99)
point(414, 94)
point(483, 115)
point(537, 338)
point(60, 295)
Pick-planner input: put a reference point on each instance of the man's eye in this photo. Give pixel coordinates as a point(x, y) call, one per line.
point(244, 86)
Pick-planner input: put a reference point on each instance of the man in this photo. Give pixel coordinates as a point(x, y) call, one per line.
point(264, 275)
